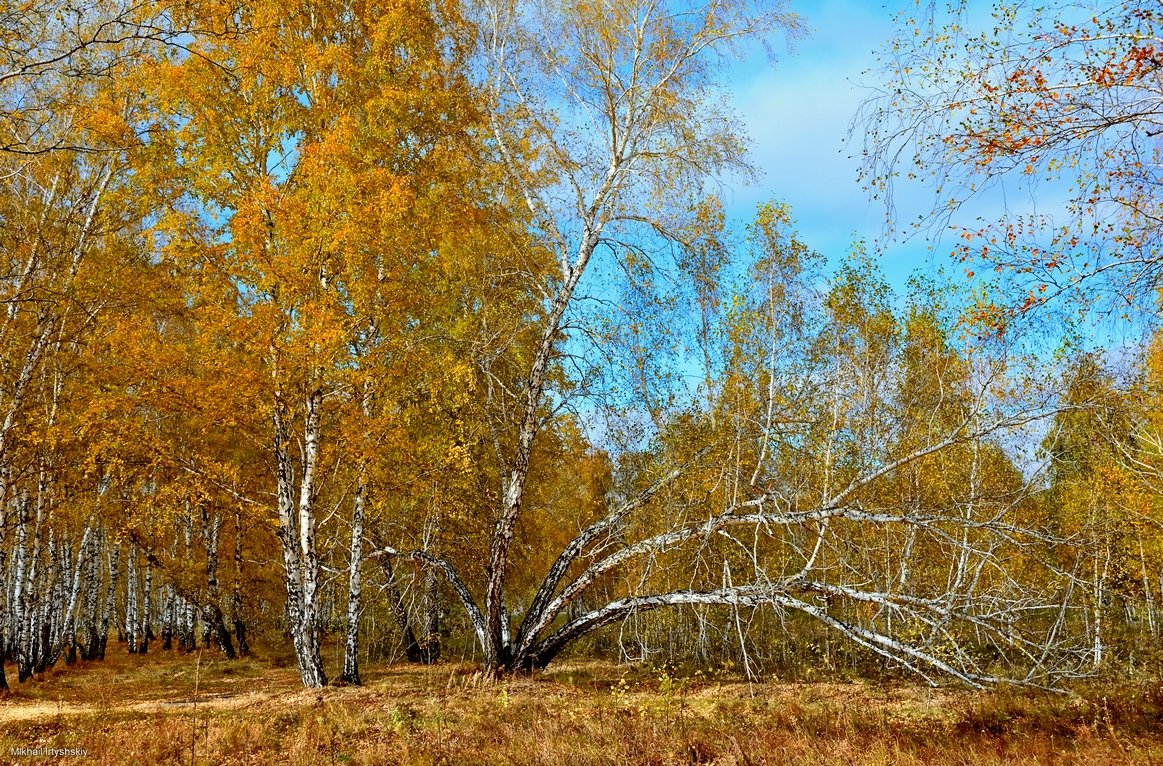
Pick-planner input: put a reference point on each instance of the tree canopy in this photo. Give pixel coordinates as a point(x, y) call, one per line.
point(324, 316)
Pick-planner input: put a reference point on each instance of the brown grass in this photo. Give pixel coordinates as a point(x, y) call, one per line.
point(140, 710)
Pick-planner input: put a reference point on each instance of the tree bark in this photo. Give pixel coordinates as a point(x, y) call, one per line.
point(187, 638)
point(497, 648)
point(48, 607)
point(131, 594)
point(400, 610)
point(212, 611)
point(145, 616)
point(354, 574)
point(236, 597)
point(169, 605)
point(68, 638)
point(110, 603)
point(431, 646)
point(92, 589)
point(297, 533)
point(4, 603)
point(19, 589)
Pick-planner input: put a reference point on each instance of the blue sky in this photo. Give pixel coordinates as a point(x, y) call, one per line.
point(798, 112)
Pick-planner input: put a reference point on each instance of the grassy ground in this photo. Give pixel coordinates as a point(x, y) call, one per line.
point(168, 708)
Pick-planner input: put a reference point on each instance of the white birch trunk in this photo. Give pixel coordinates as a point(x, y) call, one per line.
point(169, 604)
point(1100, 575)
point(131, 593)
point(187, 637)
point(236, 598)
point(19, 598)
point(5, 627)
point(354, 582)
point(145, 616)
point(68, 639)
point(110, 600)
point(297, 532)
point(212, 611)
point(92, 582)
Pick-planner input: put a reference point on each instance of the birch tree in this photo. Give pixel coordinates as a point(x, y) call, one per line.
point(1104, 495)
point(422, 288)
point(1029, 99)
point(56, 223)
point(617, 104)
point(785, 493)
point(319, 160)
point(52, 54)
point(599, 113)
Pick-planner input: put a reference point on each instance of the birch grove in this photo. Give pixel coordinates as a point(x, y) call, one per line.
point(352, 332)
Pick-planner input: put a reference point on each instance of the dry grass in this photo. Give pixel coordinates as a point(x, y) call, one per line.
point(140, 710)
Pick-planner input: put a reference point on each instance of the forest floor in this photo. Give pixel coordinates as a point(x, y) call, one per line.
point(170, 708)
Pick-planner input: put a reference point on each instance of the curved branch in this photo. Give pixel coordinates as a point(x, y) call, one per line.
point(470, 605)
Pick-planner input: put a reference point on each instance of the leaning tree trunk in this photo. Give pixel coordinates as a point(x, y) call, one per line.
point(497, 646)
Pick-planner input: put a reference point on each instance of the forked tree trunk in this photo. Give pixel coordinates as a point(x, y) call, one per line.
point(297, 522)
